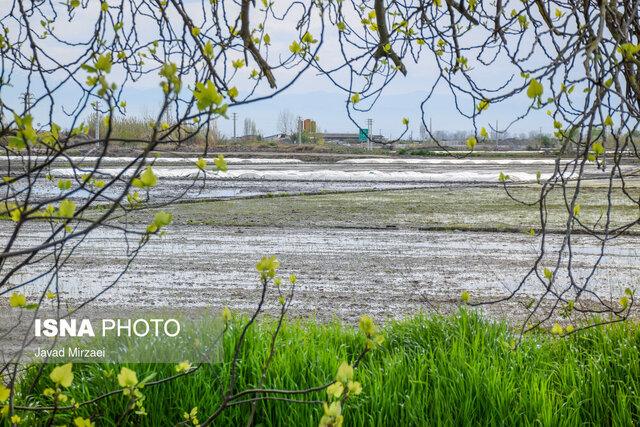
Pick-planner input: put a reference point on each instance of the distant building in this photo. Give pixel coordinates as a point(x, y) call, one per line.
point(349, 138)
point(514, 144)
point(277, 137)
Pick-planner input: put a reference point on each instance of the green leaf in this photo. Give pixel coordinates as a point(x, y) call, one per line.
point(465, 296)
point(201, 164)
point(535, 89)
point(267, 266)
point(471, 142)
point(66, 209)
point(624, 302)
point(308, 38)
point(367, 326)
point(207, 95)
point(628, 50)
point(335, 390)
point(557, 329)
point(148, 178)
point(17, 143)
point(295, 47)
point(147, 379)
point(576, 210)
point(62, 375)
point(16, 214)
point(4, 393)
point(345, 373)
point(104, 63)
point(127, 378)
point(548, 274)
point(162, 219)
point(220, 163)
point(83, 422)
point(608, 121)
point(483, 105)
point(355, 98)
point(64, 184)
point(598, 149)
point(18, 300)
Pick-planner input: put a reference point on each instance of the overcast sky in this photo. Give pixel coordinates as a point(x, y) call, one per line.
point(312, 96)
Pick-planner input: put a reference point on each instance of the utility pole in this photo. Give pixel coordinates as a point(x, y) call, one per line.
point(235, 118)
point(299, 130)
point(168, 114)
point(215, 132)
point(540, 137)
point(96, 118)
point(370, 134)
point(27, 100)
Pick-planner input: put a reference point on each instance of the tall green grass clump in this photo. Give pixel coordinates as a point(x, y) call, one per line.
point(431, 370)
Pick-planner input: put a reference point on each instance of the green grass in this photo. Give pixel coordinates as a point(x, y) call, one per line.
point(430, 371)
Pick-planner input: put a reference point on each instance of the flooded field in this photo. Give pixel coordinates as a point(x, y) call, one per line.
point(251, 177)
point(341, 272)
point(441, 227)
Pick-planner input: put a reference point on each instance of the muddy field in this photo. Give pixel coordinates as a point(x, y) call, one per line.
point(341, 272)
point(179, 178)
point(386, 253)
